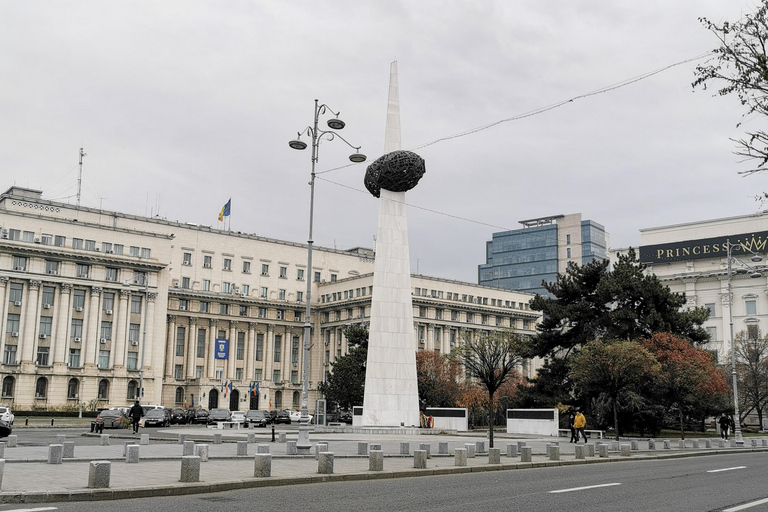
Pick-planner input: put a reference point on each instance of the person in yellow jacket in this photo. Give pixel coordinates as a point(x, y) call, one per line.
point(579, 423)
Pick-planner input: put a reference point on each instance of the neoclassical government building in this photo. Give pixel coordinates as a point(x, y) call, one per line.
point(97, 303)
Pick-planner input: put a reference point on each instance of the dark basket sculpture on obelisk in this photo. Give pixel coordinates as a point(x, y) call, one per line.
point(391, 387)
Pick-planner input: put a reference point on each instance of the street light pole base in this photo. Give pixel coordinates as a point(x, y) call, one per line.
point(303, 446)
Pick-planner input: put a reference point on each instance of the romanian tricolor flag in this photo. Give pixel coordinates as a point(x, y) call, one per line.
point(225, 210)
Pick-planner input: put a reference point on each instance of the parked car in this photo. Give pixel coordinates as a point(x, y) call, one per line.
point(200, 417)
point(5, 429)
point(6, 415)
point(157, 418)
point(283, 417)
point(238, 416)
point(112, 418)
point(179, 416)
point(296, 416)
point(218, 415)
point(257, 418)
point(271, 416)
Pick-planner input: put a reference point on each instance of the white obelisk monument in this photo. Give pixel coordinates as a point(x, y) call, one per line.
point(391, 390)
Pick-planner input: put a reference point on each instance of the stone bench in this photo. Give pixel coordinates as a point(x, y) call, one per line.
point(565, 432)
point(232, 424)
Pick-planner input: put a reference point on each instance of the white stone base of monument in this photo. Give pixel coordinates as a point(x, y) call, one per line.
point(99, 474)
point(262, 465)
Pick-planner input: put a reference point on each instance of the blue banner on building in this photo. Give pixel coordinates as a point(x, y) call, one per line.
point(222, 349)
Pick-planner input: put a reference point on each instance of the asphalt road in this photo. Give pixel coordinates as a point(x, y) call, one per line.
point(711, 483)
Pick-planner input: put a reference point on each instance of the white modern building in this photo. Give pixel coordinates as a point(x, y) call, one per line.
point(97, 302)
point(691, 258)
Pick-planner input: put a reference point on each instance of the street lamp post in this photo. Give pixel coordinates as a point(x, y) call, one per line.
point(144, 335)
point(302, 444)
point(742, 269)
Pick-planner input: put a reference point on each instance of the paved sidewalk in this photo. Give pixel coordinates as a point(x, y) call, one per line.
point(28, 477)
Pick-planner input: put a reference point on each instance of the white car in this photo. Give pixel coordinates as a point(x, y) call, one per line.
point(6, 415)
point(296, 416)
point(238, 416)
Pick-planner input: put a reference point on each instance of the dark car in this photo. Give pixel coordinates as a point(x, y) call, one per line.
point(157, 418)
point(179, 416)
point(112, 418)
point(200, 417)
point(5, 429)
point(256, 418)
point(218, 415)
point(283, 417)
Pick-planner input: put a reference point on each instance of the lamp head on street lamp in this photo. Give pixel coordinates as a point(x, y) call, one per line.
point(755, 275)
point(757, 258)
point(336, 124)
point(357, 157)
point(740, 270)
point(297, 143)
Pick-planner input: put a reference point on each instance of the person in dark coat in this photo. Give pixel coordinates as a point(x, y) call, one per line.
point(725, 425)
point(571, 418)
point(136, 413)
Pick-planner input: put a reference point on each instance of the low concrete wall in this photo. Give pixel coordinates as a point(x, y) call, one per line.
point(542, 422)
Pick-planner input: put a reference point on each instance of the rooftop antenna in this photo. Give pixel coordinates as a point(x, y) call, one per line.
point(80, 175)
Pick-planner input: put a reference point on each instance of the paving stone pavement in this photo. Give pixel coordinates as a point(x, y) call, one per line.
point(29, 478)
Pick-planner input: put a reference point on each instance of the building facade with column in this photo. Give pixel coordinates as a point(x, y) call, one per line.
point(213, 318)
point(691, 258)
point(521, 259)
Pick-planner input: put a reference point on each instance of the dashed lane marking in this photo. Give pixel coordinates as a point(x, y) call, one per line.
point(726, 469)
point(747, 505)
point(583, 488)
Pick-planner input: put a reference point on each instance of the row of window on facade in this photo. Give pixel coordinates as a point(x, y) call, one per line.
point(242, 310)
point(226, 265)
point(10, 357)
point(277, 345)
point(82, 270)
point(16, 295)
point(73, 388)
point(438, 294)
point(470, 317)
point(346, 294)
point(77, 243)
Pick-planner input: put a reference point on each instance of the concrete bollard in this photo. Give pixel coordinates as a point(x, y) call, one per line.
point(511, 450)
point(590, 450)
point(460, 457)
point(98, 474)
point(217, 438)
point(442, 448)
point(707, 443)
point(754, 442)
point(681, 444)
point(580, 451)
point(651, 444)
point(251, 437)
point(2, 470)
point(12, 440)
point(144, 439)
point(554, 453)
point(615, 446)
point(290, 448)
point(132, 457)
point(262, 448)
point(405, 448)
point(667, 444)
point(376, 460)
point(526, 454)
point(603, 450)
point(281, 438)
point(262, 465)
point(626, 450)
point(182, 438)
point(765, 443)
point(721, 443)
point(69, 450)
point(695, 444)
point(325, 463)
point(494, 456)
point(546, 449)
point(427, 448)
point(520, 445)
point(733, 444)
point(242, 448)
point(188, 448)
point(125, 446)
point(319, 448)
point(104, 439)
point(55, 453)
point(479, 447)
point(420, 459)
point(201, 450)
point(470, 447)
point(362, 448)
point(60, 438)
point(634, 446)
point(190, 469)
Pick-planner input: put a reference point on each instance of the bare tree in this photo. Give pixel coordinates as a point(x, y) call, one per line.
point(491, 358)
point(752, 372)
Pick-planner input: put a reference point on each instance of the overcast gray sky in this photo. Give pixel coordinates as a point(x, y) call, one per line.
point(182, 104)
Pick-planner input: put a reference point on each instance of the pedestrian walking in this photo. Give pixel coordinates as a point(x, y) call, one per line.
point(571, 418)
point(579, 422)
point(725, 425)
point(136, 413)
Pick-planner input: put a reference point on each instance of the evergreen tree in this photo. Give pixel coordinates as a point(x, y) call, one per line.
point(345, 386)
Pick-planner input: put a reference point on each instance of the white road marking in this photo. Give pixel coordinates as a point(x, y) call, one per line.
point(747, 505)
point(582, 488)
point(726, 469)
point(41, 509)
